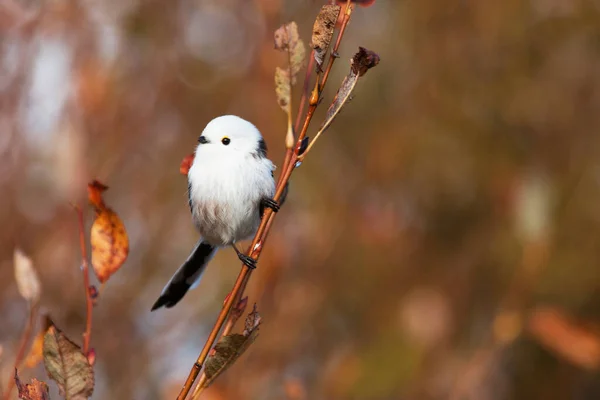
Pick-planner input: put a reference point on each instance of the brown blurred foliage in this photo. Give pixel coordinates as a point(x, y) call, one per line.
point(458, 190)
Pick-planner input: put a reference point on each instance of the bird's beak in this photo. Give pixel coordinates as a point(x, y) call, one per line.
point(202, 140)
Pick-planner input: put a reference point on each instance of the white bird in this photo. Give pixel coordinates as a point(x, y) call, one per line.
point(230, 183)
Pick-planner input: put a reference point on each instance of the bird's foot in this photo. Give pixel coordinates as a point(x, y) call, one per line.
point(247, 260)
point(272, 204)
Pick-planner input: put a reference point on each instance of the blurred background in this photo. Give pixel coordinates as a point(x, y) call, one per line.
point(440, 242)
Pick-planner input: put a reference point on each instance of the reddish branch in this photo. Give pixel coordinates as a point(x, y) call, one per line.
point(89, 302)
point(25, 336)
point(259, 239)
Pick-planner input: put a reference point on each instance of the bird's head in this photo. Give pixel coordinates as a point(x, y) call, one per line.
point(229, 135)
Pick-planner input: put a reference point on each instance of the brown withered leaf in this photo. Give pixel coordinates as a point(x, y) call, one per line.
point(322, 33)
point(360, 64)
point(364, 60)
point(36, 390)
point(27, 279)
point(67, 366)
point(186, 164)
point(287, 39)
point(283, 89)
point(252, 322)
point(230, 348)
point(110, 243)
point(568, 339)
point(35, 355)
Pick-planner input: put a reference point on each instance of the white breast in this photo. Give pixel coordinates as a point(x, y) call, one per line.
point(225, 195)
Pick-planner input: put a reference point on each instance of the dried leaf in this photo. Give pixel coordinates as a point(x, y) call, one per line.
point(230, 348)
point(27, 279)
point(283, 89)
point(35, 355)
point(110, 244)
point(363, 61)
point(360, 64)
point(186, 164)
point(67, 365)
point(252, 322)
point(288, 40)
point(323, 32)
point(36, 390)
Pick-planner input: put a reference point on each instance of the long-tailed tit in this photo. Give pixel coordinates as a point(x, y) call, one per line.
point(230, 183)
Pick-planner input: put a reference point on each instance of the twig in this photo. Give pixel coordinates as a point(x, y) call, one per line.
point(255, 248)
point(334, 53)
point(231, 320)
point(25, 337)
point(305, 90)
point(86, 282)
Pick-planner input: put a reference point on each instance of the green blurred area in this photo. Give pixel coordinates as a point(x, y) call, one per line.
point(453, 199)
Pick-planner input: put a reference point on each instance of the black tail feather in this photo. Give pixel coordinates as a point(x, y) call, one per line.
point(186, 276)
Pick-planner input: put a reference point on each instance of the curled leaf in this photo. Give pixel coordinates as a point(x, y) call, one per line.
point(230, 348)
point(67, 366)
point(36, 390)
point(360, 64)
point(27, 279)
point(363, 61)
point(252, 322)
point(323, 29)
point(110, 244)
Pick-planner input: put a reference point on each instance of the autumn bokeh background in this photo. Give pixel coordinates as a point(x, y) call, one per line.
point(440, 242)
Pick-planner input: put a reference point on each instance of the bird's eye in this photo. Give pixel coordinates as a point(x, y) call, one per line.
point(225, 140)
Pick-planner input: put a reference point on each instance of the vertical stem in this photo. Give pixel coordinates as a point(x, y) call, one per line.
point(266, 222)
point(25, 336)
point(86, 283)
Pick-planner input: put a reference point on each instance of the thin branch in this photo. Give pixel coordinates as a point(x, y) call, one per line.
point(25, 337)
point(234, 316)
point(305, 90)
point(86, 283)
point(256, 247)
point(330, 118)
point(334, 53)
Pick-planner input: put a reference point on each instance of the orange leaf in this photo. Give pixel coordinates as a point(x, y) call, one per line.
point(110, 244)
point(556, 331)
point(35, 356)
point(95, 189)
point(35, 353)
point(186, 164)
